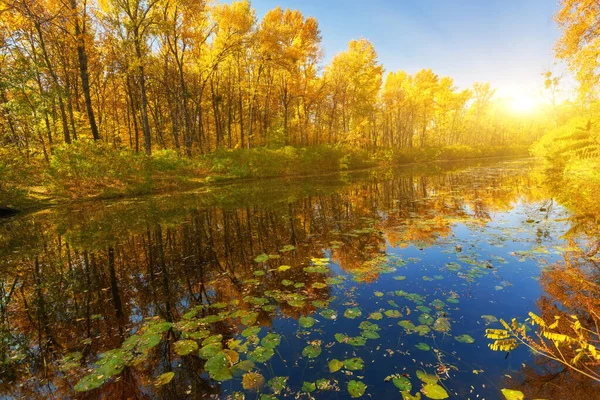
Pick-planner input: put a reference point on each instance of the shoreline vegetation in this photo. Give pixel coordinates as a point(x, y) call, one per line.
point(92, 170)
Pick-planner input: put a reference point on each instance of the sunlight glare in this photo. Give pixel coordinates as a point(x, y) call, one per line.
point(523, 103)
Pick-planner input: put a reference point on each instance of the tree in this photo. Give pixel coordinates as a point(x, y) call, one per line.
point(579, 43)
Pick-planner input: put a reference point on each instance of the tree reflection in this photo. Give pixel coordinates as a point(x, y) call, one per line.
point(84, 280)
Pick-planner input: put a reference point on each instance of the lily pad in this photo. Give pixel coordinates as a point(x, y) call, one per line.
point(252, 331)
point(354, 364)
point(393, 314)
point(185, 347)
point(163, 379)
point(253, 381)
point(356, 388)
point(277, 384)
point(434, 391)
point(464, 339)
point(442, 325)
point(376, 316)
point(513, 394)
point(423, 346)
point(352, 313)
point(329, 314)
point(261, 258)
point(309, 387)
point(335, 365)
point(402, 383)
point(210, 350)
point(261, 354)
point(271, 341)
point(306, 322)
point(427, 378)
point(312, 351)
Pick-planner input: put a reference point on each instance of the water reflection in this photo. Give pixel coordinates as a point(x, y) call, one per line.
point(84, 278)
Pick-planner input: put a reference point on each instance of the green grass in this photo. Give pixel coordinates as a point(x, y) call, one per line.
point(85, 170)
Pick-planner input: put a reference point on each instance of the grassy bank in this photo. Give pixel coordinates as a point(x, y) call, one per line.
point(95, 170)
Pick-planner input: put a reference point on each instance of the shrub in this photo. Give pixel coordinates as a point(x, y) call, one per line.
point(95, 168)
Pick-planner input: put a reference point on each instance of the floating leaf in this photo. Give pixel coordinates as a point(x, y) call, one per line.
point(334, 281)
point(89, 382)
point(489, 319)
point(464, 339)
point(329, 314)
point(434, 391)
point(253, 381)
point(376, 316)
point(335, 365)
point(306, 322)
point(218, 367)
point(393, 314)
point(212, 339)
point(185, 347)
point(354, 364)
point(437, 303)
point(232, 356)
point(402, 383)
point(442, 325)
point(271, 341)
point(407, 325)
point(242, 366)
point(261, 258)
point(427, 378)
point(322, 384)
point(278, 383)
point(252, 331)
point(261, 354)
point(312, 351)
point(341, 337)
point(353, 313)
point(319, 285)
point(422, 330)
point(370, 334)
point(426, 319)
point(283, 268)
point(393, 303)
point(163, 379)
point(210, 350)
point(309, 387)
point(357, 341)
point(356, 388)
point(424, 309)
point(423, 346)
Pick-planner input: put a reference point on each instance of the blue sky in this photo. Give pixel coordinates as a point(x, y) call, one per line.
point(505, 42)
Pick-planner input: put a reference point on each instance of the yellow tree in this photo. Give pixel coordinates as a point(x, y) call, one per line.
point(133, 21)
point(290, 45)
point(355, 78)
point(579, 43)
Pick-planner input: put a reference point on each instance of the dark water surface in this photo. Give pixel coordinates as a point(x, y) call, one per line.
point(396, 272)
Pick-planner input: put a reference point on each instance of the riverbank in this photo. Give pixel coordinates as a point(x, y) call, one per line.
point(85, 171)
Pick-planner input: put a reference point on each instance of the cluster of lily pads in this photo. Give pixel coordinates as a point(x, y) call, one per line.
point(245, 354)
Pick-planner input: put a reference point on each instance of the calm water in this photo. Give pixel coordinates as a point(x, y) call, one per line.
point(392, 271)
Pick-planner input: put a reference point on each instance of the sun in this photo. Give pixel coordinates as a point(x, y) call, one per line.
point(523, 103)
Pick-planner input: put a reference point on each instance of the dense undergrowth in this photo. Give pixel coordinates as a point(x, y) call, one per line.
point(96, 170)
